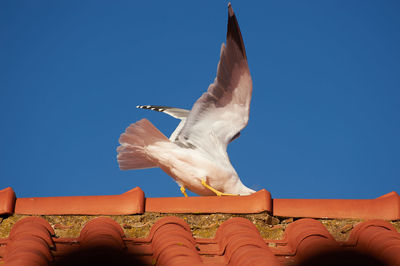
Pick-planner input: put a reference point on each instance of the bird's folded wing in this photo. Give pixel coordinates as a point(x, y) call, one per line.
point(221, 112)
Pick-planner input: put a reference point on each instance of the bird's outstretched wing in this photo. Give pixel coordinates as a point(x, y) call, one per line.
point(222, 112)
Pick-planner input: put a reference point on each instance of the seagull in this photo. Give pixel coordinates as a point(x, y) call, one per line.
point(195, 154)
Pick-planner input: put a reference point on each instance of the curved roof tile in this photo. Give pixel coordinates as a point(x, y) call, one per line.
point(307, 237)
point(242, 244)
point(102, 231)
point(170, 242)
point(379, 238)
point(30, 243)
point(237, 241)
point(173, 243)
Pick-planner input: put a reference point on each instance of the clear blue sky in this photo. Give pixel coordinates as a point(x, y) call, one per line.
point(325, 113)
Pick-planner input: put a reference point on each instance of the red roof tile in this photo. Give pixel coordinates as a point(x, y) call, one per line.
point(102, 231)
point(241, 244)
point(385, 207)
point(29, 243)
point(131, 202)
point(306, 237)
point(173, 244)
point(255, 203)
point(379, 238)
point(170, 242)
point(7, 201)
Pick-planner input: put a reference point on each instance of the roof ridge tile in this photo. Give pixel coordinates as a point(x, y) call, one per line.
point(130, 202)
point(7, 201)
point(134, 202)
point(386, 207)
point(257, 202)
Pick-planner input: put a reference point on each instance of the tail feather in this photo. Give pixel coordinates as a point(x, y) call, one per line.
point(132, 152)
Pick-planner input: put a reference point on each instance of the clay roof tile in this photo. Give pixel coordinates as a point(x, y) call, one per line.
point(131, 202)
point(242, 244)
point(173, 243)
point(255, 203)
point(306, 237)
point(386, 207)
point(7, 201)
point(379, 238)
point(102, 231)
point(29, 243)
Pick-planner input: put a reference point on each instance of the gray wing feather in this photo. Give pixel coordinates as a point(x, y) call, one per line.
point(177, 113)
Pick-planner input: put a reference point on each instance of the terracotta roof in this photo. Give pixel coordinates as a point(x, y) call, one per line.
point(386, 207)
point(246, 230)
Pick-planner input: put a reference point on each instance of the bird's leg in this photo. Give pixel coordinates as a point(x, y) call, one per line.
point(218, 193)
point(183, 190)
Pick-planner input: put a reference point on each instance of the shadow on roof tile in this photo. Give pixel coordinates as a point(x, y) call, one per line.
point(307, 237)
point(312, 244)
point(342, 257)
point(170, 242)
point(101, 242)
point(379, 238)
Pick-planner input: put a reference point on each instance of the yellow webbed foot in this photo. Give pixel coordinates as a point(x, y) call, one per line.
point(218, 193)
point(183, 190)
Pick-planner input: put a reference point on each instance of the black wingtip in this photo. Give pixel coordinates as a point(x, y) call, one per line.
point(234, 30)
point(230, 10)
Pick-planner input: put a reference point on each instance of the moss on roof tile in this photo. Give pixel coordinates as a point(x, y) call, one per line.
point(201, 225)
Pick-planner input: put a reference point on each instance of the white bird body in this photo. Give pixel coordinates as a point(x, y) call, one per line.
point(195, 155)
point(190, 167)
